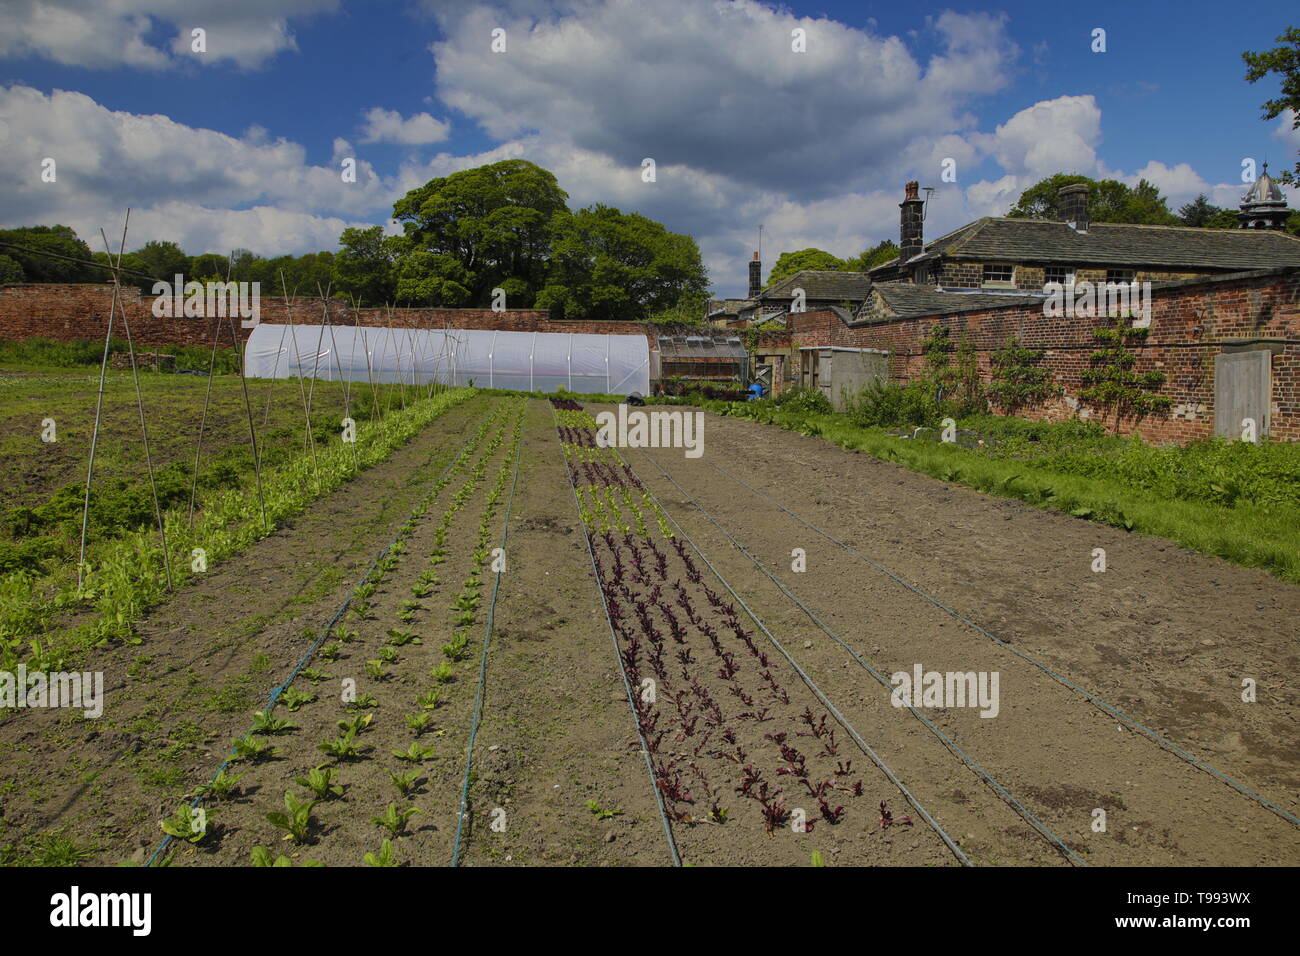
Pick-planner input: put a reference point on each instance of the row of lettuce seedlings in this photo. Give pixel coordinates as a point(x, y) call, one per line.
point(321, 784)
point(696, 739)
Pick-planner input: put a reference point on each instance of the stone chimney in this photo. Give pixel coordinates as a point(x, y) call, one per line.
point(910, 242)
point(755, 277)
point(1072, 204)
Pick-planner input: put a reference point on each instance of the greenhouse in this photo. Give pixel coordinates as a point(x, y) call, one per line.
point(521, 361)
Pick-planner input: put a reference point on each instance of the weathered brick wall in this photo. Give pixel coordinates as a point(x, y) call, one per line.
point(66, 312)
point(1192, 322)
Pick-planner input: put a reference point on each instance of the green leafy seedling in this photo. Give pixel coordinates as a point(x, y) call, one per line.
point(222, 785)
point(414, 753)
point(419, 722)
point(319, 780)
point(376, 669)
point(249, 747)
point(600, 812)
point(397, 638)
point(441, 673)
point(342, 748)
point(187, 823)
point(384, 857)
point(395, 820)
point(293, 698)
point(404, 782)
point(356, 724)
point(296, 820)
point(429, 701)
point(262, 857)
point(265, 723)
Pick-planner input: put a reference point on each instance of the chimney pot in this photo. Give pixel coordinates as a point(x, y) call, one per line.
point(1072, 205)
point(910, 225)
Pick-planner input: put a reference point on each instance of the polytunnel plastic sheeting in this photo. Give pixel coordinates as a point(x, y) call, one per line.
point(522, 361)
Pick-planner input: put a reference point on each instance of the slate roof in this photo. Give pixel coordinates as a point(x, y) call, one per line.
point(1110, 243)
point(821, 284)
point(907, 300)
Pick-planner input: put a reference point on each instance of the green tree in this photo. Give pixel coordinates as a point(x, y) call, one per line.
point(1108, 201)
point(1198, 211)
point(10, 270)
point(1283, 60)
point(364, 265)
point(493, 220)
point(878, 254)
point(61, 240)
point(163, 260)
point(208, 266)
point(607, 264)
point(788, 263)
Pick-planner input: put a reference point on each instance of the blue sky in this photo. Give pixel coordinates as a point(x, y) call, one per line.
point(241, 145)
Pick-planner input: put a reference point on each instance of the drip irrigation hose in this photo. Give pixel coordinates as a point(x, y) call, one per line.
point(947, 741)
point(284, 685)
point(812, 686)
point(618, 655)
point(483, 659)
point(1059, 678)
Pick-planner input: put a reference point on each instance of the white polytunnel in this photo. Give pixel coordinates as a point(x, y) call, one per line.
point(521, 361)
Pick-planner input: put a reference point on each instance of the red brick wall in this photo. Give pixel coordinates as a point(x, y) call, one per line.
point(66, 312)
point(1250, 306)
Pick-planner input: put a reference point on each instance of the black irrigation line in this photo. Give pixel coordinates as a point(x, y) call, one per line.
point(1092, 698)
point(487, 641)
point(279, 689)
point(618, 656)
point(947, 741)
point(812, 686)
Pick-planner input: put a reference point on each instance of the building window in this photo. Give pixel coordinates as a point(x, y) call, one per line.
point(1059, 274)
point(1119, 275)
point(922, 275)
point(999, 275)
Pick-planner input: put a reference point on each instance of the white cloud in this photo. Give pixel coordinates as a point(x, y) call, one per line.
point(191, 185)
point(1052, 136)
point(715, 86)
point(101, 34)
point(387, 126)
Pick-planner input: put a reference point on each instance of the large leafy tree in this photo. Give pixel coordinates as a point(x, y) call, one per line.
point(1283, 60)
point(1108, 201)
point(788, 263)
point(61, 240)
point(163, 260)
point(878, 254)
point(607, 264)
point(493, 220)
point(363, 267)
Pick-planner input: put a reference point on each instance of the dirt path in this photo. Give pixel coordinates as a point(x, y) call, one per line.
point(1164, 635)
